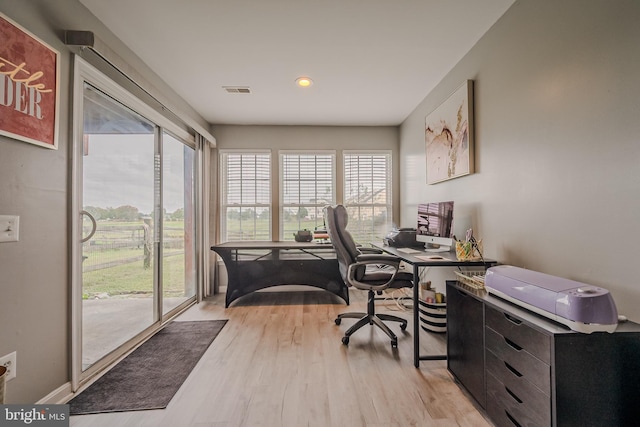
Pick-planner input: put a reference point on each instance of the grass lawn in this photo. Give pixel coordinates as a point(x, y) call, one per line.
point(133, 279)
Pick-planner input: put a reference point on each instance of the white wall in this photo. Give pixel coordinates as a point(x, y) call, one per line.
point(557, 109)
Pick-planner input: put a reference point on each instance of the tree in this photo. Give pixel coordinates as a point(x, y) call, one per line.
point(302, 212)
point(178, 214)
point(126, 213)
point(96, 213)
point(248, 214)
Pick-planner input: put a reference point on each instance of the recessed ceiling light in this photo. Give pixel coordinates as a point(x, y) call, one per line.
point(304, 81)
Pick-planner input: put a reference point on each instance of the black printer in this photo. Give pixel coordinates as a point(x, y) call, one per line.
point(402, 238)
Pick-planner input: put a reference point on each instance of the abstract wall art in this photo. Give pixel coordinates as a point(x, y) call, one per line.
point(449, 137)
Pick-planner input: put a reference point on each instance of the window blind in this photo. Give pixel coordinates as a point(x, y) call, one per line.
point(367, 194)
point(307, 185)
point(245, 196)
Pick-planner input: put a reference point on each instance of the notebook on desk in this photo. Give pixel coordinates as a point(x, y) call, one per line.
point(432, 258)
point(413, 252)
point(409, 250)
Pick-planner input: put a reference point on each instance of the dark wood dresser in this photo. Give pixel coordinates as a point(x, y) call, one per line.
point(526, 370)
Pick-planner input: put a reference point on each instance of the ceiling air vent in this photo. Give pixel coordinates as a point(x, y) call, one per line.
point(237, 89)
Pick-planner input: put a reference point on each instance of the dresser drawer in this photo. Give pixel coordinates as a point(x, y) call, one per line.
point(520, 362)
point(537, 401)
point(507, 409)
point(465, 331)
point(525, 337)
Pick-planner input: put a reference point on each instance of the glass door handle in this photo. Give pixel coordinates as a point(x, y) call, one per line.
point(94, 225)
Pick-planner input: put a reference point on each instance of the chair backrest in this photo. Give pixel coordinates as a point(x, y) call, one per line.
point(336, 219)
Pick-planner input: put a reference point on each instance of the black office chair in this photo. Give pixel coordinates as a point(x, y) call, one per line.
point(364, 268)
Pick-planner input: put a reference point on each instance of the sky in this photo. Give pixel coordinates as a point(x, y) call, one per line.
point(118, 171)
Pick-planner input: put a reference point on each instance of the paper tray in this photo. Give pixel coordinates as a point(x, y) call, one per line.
point(474, 279)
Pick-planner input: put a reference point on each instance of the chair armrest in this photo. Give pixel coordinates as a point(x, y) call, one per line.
point(379, 258)
point(375, 259)
point(365, 250)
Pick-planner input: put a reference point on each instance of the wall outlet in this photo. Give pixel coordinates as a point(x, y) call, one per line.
point(9, 228)
point(9, 361)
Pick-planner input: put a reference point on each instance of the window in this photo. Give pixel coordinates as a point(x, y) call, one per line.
point(367, 194)
point(245, 195)
point(307, 182)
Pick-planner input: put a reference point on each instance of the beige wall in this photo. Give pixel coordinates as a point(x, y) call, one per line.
point(557, 102)
point(35, 184)
point(313, 137)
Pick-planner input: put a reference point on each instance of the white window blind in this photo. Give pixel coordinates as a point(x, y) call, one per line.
point(245, 195)
point(307, 185)
point(367, 194)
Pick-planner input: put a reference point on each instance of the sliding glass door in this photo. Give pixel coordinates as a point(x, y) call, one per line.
point(179, 242)
point(135, 244)
point(118, 262)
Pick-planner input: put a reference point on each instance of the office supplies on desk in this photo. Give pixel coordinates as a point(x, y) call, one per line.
point(581, 307)
point(468, 249)
point(474, 279)
point(320, 234)
point(402, 238)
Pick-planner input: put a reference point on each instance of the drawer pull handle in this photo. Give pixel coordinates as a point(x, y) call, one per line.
point(512, 344)
point(512, 369)
point(512, 394)
point(515, 423)
point(512, 319)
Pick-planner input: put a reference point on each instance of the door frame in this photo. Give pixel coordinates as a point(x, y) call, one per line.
point(85, 72)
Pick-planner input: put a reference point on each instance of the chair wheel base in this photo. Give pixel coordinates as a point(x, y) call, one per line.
point(338, 320)
point(345, 340)
point(403, 326)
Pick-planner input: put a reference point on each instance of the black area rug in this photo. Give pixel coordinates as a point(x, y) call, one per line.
point(152, 374)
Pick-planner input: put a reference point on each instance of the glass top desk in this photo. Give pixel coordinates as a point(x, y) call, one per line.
point(449, 260)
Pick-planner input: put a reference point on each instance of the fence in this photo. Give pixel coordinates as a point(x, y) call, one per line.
point(114, 245)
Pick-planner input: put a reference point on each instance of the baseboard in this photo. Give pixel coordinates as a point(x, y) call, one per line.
point(60, 395)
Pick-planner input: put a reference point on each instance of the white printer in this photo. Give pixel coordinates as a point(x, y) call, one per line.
point(581, 307)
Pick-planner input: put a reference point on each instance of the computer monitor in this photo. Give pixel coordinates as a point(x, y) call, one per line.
point(435, 226)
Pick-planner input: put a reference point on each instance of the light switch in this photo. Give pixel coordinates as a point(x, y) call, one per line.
point(9, 228)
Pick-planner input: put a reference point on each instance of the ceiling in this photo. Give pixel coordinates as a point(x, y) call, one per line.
point(372, 61)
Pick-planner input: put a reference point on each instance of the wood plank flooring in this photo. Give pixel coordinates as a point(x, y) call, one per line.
point(280, 361)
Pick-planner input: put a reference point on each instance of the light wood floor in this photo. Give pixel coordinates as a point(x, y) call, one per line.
point(279, 361)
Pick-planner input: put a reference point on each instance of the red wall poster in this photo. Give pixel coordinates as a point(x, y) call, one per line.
point(29, 70)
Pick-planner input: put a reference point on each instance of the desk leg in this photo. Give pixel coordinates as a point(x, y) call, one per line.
point(416, 326)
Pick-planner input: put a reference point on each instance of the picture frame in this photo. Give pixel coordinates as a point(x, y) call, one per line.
point(449, 139)
point(29, 86)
